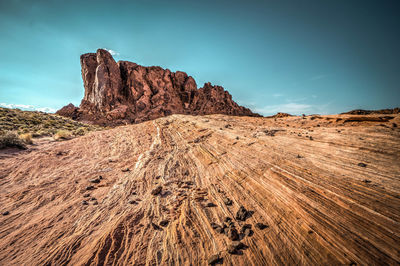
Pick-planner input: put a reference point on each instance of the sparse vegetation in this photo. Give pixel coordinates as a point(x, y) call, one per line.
point(26, 137)
point(17, 126)
point(63, 134)
point(11, 139)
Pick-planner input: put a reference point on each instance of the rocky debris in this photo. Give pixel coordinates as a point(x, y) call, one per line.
point(155, 227)
point(227, 201)
point(232, 233)
point(164, 223)
point(246, 230)
point(132, 202)
point(242, 214)
point(5, 213)
point(362, 164)
point(89, 187)
point(235, 247)
point(96, 203)
point(84, 202)
point(271, 132)
point(95, 180)
point(210, 204)
point(87, 195)
point(367, 181)
point(215, 259)
point(156, 190)
point(93, 199)
point(125, 170)
point(261, 226)
point(125, 92)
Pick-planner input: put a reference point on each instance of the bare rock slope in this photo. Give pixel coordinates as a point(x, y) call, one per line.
point(124, 92)
point(198, 190)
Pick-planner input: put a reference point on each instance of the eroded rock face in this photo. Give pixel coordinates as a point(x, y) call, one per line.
point(124, 92)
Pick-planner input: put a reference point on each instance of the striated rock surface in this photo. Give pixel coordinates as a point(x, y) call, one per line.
point(124, 92)
point(332, 200)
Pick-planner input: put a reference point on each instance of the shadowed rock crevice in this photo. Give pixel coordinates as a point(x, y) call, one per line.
point(124, 92)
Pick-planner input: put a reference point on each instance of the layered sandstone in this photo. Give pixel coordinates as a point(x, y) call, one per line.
point(124, 92)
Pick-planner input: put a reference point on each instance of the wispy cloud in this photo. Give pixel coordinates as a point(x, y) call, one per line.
point(291, 108)
point(28, 107)
point(277, 95)
point(112, 52)
point(317, 77)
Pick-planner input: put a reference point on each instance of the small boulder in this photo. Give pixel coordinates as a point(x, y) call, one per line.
point(6, 213)
point(89, 187)
point(214, 259)
point(210, 204)
point(87, 195)
point(125, 170)
point(227, 201)
point(132, 202)
point(84, 202)
point(235, 246)
point(362, 165)
point(155, 227)
point(261, 226)
point(233, 234)
point(95, 203)
point(164, 223)
point(95, 180)
point(156, 191)
point(242, 214)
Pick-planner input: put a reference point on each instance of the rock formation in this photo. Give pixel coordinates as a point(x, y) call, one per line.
point(124, 92)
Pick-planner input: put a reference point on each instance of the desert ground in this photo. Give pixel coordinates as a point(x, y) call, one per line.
point(183, 190)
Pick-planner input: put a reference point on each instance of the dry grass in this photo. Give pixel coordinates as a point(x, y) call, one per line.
point(63, 135)
point(11, 139)
point(30, 125)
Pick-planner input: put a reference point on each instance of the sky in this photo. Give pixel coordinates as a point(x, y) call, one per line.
point(314, 56)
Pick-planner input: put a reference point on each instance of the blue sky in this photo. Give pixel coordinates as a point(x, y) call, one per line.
point(289, 56)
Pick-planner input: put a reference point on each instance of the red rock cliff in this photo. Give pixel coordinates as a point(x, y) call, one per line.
point(124, 92)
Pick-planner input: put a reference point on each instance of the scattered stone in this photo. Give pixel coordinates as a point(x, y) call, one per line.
point(299, 156)
point(158, 177)
point(125, 170)
point(84, 202)
point(87, 195)
point(310, 232)
point(210, 204)
point(362, 165)
point(95, 203)
point(227, 201)
point(235, 246)
point(155, 227)
point(156, 191)
point(242, 214)
point(6, 213)
point(100, 177)
point(228, 126)
point(367, 181)
point(132, 202)
point(246, 230)
point(89, 187)
point(95, 180)
point(214, 259)
point(394, 125)
point(233, 234)
point(261, 226)
point(237, 138)
point(311, 138)
point(164, 223)
point(93, 199)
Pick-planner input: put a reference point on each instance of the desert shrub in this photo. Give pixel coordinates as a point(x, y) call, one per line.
point(27, 138)
point(63, 134)
point(11, 139)
point(80, 131)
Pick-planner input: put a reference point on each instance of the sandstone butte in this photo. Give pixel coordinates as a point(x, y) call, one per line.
point(124, 92)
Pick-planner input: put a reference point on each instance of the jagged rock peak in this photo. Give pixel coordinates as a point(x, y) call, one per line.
point(125, 92)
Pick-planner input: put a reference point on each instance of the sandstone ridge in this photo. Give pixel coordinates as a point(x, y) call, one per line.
point(124, 92)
